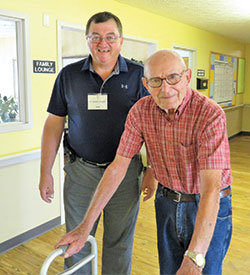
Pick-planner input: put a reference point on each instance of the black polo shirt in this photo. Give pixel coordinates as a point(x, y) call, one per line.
point(95, 134)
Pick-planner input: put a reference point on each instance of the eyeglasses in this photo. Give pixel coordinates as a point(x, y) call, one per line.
point(98, 38)
point(171, 79)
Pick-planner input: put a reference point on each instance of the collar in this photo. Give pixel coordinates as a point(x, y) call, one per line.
point(121, 65)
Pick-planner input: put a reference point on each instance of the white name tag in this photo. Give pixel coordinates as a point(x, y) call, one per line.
point(98, 101)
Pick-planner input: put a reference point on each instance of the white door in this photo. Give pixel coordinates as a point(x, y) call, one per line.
point(189, 56)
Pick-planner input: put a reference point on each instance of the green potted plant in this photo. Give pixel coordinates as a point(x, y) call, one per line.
point(8, 109)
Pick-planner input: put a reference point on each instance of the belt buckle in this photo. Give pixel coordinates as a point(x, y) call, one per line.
point(101, 164)
point(179, 196)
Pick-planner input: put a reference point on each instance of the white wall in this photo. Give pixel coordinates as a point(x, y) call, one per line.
point(21, 206)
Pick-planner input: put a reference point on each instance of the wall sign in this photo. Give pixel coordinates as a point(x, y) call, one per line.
point(44, 67)
point(200, 72)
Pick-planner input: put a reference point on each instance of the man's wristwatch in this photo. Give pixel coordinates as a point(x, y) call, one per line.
point(196, 257)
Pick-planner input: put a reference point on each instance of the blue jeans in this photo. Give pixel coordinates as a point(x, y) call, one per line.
point(175, 225)
point(119, 215)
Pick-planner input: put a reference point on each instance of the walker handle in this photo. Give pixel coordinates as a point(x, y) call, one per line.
point(61, 250)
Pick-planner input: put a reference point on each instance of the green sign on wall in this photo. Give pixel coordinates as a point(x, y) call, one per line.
point(241, 76)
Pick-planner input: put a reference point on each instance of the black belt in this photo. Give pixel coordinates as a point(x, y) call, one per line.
point(183, 197)
point(103, 165)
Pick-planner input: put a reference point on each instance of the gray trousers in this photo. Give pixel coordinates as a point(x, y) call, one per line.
point(119, 215)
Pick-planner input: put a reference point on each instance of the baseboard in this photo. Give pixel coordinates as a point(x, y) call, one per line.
point(31, 234)
point(242, 133)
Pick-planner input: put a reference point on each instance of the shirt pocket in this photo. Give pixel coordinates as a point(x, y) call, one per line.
point(187, 162)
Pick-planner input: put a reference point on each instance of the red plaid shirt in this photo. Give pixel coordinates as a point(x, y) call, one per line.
point(196, 139)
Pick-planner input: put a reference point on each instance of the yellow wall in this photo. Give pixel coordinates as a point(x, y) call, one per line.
point(247, 78)
point(234, 116)
point(136, 22)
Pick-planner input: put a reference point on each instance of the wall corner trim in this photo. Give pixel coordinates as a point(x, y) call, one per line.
point(19, 158)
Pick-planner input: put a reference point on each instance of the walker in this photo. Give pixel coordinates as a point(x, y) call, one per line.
point(60, 251)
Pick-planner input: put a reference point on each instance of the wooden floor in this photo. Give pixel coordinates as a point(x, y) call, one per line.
point(28, 258)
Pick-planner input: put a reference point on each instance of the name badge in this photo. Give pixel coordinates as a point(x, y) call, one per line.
point(98, 101)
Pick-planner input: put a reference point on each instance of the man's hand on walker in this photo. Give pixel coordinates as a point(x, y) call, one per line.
point(76, 240)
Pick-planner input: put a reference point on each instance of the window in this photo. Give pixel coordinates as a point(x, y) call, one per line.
point(138, 48)
point(15, 75)
point(71, 52)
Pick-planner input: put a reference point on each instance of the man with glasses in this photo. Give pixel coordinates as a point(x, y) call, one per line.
point(96, 94)
point(187, 148)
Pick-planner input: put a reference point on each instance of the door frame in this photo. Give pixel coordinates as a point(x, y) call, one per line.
point(77, 27)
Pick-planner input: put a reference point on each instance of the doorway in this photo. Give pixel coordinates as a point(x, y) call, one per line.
point(189, 56)
point(72, 47)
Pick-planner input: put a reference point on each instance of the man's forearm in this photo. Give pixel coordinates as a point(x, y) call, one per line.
point(205, 222)
point(51, 138)
point(109, 183)
point(210, 182)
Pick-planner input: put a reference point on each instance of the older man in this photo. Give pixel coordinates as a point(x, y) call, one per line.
point(187, 147)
